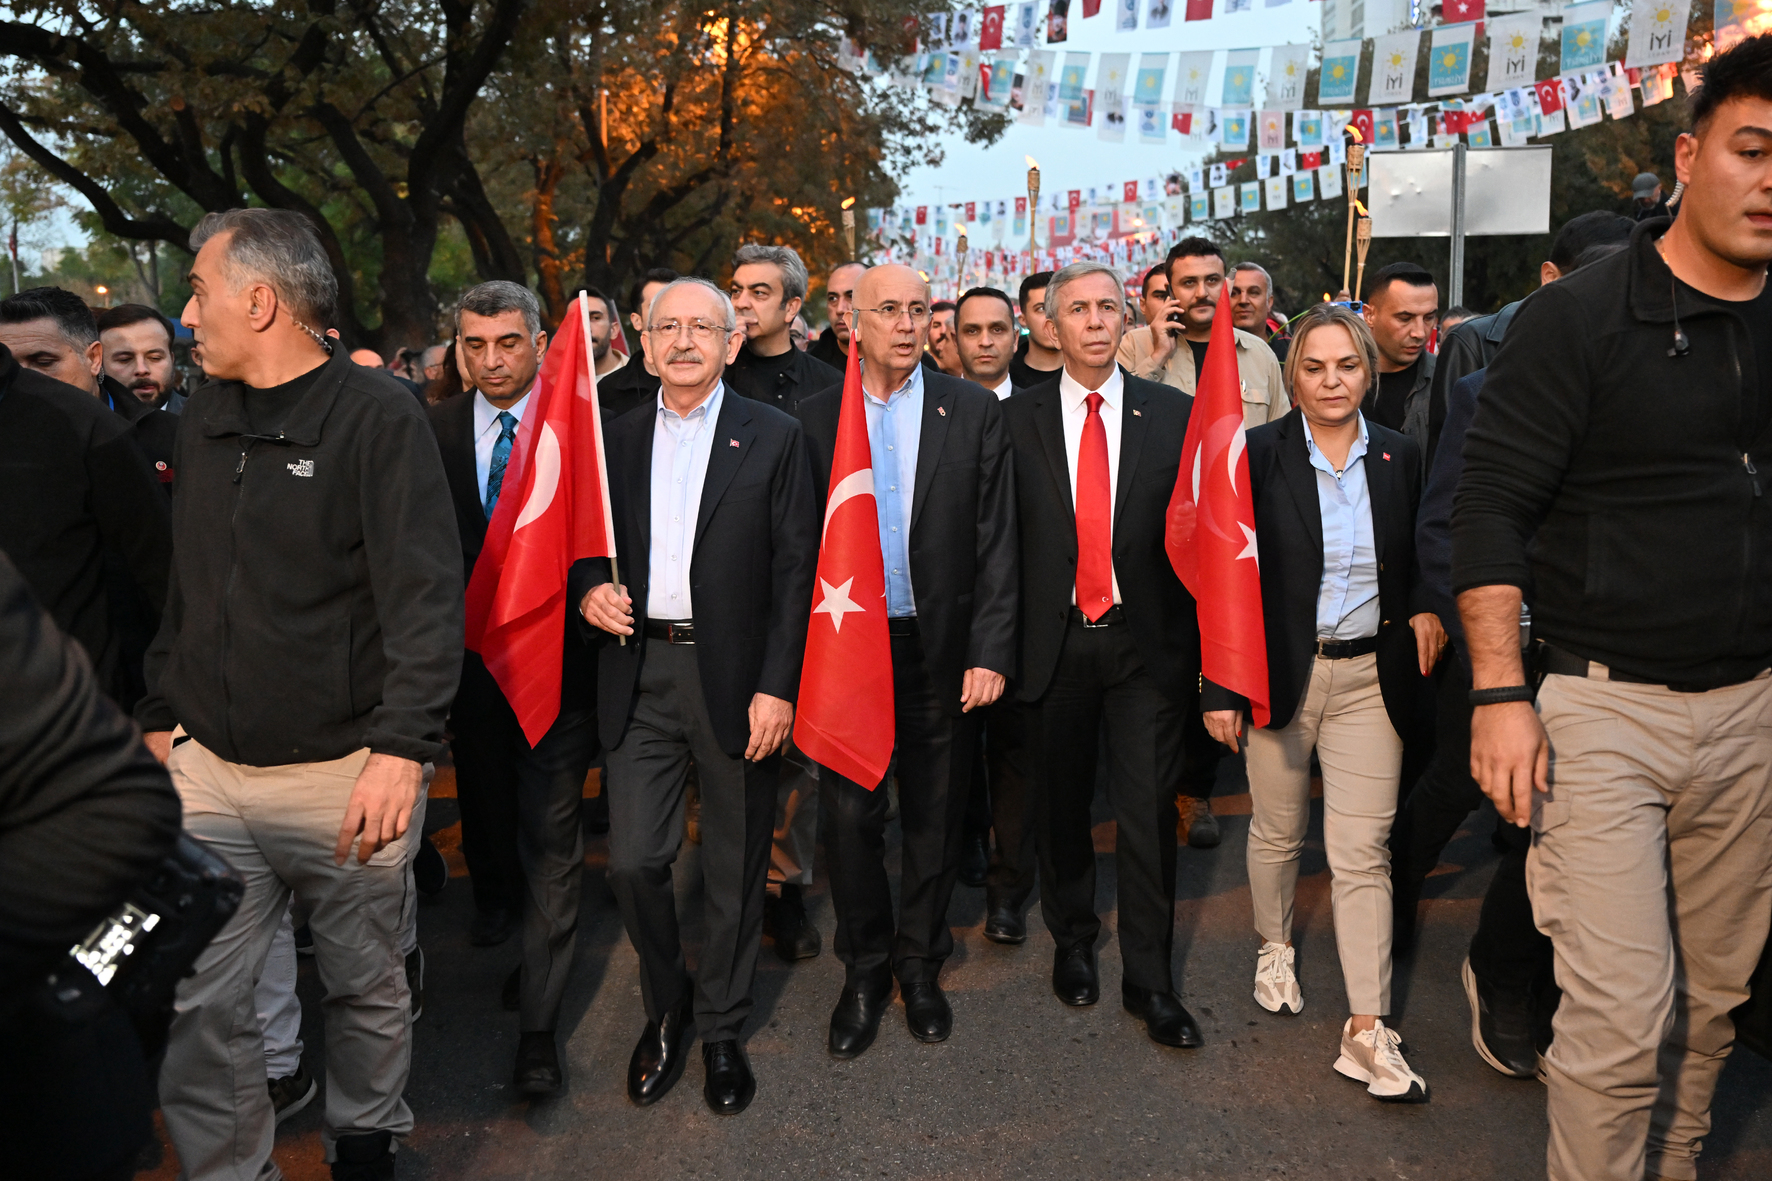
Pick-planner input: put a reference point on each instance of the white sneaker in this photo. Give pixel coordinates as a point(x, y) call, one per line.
point(1375, 1057)
point(1276, 984)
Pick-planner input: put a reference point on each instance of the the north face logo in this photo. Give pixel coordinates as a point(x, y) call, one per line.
point(302, 467)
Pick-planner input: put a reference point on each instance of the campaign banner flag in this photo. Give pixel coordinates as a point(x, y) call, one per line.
point(1329, 181)
point(1729, 15)
point(1233, 129)
point(990, 32)
point(1192, 69)
point(1147, 84)
point(1365, 124)
point(1449, 60)
point(1286, 74)
point(1307, 129)
point(1304, 187)
point(1239, 78)
point(1657, 32)
point(1036, 80)
point(1128, 16)
point(1384, 129)
point(1550, 95)
point(1341, 69)
point(1459, 11)
point(1224, 202)
point(1393, 68)
point(1027, 25)
point(1584, 35)
point(1197, 209)
point(1198, 10)
point(1270, 131)
point(1058, 17)
point(1110, 95)
point(1159, 14)
point(1276, 192)
point(1513, 50)
point(1249, 197)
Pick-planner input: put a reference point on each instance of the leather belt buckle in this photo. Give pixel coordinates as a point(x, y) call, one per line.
point(1109, 618)
point(680, 633)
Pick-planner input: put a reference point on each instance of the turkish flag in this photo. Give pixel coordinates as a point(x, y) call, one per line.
point(972, 211)
point(1211, 529)
point(1550, 95)
point(553, 509)
point(1310, 160)
point(1129, 191)
point(1075, 198)
point(1091, 7)
point(922, 215)
point(1362, 122)
point(845, 719)
point(1458, 11)
point(990, 34)
point(1021, 206)
point(1199, 10)
point(1182, 121)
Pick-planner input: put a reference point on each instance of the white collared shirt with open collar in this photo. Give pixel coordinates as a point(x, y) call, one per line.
point(1073, 405)
point(681, 445)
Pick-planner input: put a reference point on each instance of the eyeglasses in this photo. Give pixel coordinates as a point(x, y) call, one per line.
point(891, 313)
point(700, 330)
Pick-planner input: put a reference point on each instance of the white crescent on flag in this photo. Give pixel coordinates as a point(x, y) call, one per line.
point(547, 477)
point(859, 482)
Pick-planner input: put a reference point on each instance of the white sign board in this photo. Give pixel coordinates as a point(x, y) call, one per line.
point(1506, 191)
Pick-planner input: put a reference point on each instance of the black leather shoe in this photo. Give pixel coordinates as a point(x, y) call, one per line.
point(856, 1020)
point(975, 861)
point(926, 1011)
point(659, 1056)
point(795, 938)
point(538, 1065)
point(364, 1156)
point(510, 995)
point(1075, 980)
point(491, 926)
point(731, 1086)
point(1164, 1017)
point(1501, 1026)
point(1006, 926)
point(430, 873)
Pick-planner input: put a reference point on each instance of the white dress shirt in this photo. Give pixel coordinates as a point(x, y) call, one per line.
point(1003, 391)
point(681, 445)
point(1073, 403)
point(486, 431)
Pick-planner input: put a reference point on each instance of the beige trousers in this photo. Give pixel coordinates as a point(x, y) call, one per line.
point(278, 826)
point(1342, 717)
point(1651, 871)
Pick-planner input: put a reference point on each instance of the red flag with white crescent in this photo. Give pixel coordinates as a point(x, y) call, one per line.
point(553, 509)
point(1211, 528)
point(844, 719)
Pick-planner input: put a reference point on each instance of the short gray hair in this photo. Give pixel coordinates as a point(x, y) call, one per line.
point(1075, 271)
point(794, 280)
point(1255, 266)
point(725, 300)
point(280, 249)
point(497, 297)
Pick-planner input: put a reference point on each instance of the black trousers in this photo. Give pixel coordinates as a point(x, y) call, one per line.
point(650, 769)
point(1003, 757)
point(1200, 756)
point(522, 804)
point(1101, 678)
point(1508, 950)
point(934, 761)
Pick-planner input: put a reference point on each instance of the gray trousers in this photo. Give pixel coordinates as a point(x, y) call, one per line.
point(277, 826)
point(669, 727)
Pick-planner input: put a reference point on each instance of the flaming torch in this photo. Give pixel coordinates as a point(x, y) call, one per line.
point(1356, 158)
point(1033, 203)
point(1362, 243)
point(849, 225)
point(960, 248)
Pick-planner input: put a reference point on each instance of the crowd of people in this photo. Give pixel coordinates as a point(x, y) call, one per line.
point(1521, 559)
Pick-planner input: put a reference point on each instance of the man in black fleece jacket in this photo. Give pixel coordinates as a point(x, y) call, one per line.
point(1618, 465)
point(298, 687)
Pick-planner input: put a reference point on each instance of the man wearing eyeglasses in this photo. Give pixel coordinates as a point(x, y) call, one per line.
point(945, 495)
point(717, 536)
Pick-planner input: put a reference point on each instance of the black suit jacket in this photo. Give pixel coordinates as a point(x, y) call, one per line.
point(756, 550)
point(962, 544)
point(1157, 606)
point(1289, 532)
point(784, 390)
point(453, 422)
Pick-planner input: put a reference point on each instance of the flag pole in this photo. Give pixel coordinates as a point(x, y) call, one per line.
point(584, 318)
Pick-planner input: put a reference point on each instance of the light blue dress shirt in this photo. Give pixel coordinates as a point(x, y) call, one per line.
point(1347, 602)
point(681, 445)
point(895, 428)
point(486, 435)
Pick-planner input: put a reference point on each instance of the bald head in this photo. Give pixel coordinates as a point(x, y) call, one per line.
point(839, 298)
point(891, 325)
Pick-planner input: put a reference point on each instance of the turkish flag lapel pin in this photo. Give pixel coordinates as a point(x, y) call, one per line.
point(1387, 456)
point(734, 443)
point(1136, 413)
point(942, 410)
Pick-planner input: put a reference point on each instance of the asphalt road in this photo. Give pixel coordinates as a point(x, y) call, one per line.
point(1025, 1088)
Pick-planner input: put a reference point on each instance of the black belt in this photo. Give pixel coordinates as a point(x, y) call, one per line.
point(1112, 617)
point(901, 625)
point(671, 631)
point(1346, 649)
point(1555, 660)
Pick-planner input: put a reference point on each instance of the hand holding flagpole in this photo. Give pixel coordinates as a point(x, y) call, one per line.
point(584, 318)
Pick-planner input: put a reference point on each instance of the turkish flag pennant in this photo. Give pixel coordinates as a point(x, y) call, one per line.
point(845, 719)
point(1091, 7)
point(1550, 95)
point(1459, 11)
point(1129, 191)
point(1199, 10)
point(1310, 160)
point(1211, 529)
point(990, 34)
point(1182, 121)
point(1362, 122)
point(553, 509)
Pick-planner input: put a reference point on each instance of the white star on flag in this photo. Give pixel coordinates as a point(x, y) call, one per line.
point(837, 602)
point(1249, 547)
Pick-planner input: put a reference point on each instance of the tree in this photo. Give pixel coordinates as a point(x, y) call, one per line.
point(24, 198)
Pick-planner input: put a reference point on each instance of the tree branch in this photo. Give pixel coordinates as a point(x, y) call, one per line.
point(158, 227)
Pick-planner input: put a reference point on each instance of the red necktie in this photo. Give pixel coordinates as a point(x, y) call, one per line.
point(1095, 518)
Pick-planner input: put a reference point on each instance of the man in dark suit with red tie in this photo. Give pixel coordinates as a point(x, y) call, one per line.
point(1110, 640)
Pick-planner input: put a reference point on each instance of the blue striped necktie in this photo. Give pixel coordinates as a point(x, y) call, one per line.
point(501, 455)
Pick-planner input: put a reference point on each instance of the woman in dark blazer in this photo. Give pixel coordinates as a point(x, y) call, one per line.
point(1335, 500)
